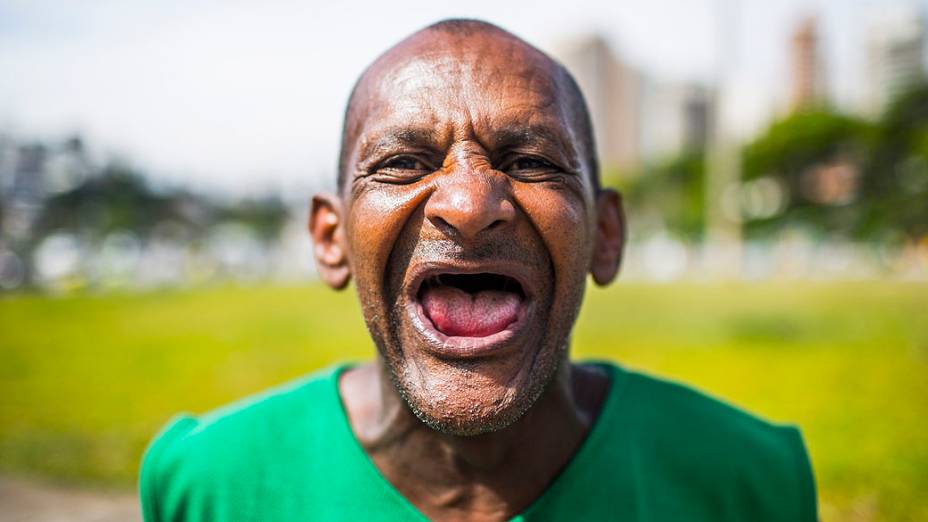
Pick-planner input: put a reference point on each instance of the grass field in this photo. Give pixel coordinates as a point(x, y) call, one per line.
point(85, 381)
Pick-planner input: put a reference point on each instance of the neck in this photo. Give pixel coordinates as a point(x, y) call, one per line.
point(492, 476)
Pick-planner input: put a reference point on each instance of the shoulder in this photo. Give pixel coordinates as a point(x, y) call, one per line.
point(679, 410)
point(739, 461)
point(217, 451)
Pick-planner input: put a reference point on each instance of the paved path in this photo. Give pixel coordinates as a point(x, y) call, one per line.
point(31, 501)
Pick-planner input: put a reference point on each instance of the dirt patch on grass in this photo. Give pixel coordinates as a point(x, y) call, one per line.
point(32, 501)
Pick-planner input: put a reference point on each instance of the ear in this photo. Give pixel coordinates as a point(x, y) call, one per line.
point(610, 237)
point(326, 227)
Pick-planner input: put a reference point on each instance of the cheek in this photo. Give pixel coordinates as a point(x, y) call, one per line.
point(375, 219)
point(560, 216)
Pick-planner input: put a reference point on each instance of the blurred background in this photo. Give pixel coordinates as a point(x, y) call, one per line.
point(157, 159)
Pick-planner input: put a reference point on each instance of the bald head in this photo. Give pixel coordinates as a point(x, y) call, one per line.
point(460, 45)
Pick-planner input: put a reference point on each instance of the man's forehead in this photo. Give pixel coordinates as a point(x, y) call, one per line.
point(434, 78)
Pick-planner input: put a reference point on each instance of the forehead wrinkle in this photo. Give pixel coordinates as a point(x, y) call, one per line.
point(470, 70)
point(520, 84)
point(396, 137)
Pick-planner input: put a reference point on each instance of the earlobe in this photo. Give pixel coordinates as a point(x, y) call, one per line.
point(329, 246)
point(610, 237)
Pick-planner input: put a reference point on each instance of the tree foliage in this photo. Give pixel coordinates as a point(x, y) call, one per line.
point(886, 163)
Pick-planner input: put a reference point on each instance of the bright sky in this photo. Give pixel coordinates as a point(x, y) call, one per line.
point(248, 96)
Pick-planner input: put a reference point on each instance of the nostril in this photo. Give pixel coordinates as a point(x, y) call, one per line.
point(441, 224)
point(495, 224)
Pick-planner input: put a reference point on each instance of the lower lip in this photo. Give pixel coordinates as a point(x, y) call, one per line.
point(458, 347)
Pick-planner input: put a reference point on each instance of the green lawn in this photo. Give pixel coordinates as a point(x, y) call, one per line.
point(85, 381)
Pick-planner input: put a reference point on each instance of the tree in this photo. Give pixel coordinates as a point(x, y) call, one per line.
point(895, 183)
point(815, 157)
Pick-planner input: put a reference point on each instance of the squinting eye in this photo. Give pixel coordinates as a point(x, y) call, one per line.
point(530, 163)
point(404, 163)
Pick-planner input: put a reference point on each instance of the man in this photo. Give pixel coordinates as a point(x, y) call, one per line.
point(468, 213)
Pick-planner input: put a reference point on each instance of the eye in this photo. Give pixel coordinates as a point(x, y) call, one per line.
point(530, 163)
point(401, 169)
point(403, 163)
point(530, 167)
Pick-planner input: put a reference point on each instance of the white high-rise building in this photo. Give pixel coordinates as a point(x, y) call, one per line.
point(895, 56)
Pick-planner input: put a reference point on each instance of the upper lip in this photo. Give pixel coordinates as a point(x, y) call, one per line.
point(423, 271)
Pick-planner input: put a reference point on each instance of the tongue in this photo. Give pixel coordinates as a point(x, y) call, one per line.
point(458, 313)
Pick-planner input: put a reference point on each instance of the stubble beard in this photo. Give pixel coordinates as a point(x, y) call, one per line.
point(433, 388)
point(427, 396)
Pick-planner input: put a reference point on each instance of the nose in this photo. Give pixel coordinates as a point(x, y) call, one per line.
point(469, 202)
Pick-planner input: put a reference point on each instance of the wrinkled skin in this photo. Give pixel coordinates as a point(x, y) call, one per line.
point(464, 155)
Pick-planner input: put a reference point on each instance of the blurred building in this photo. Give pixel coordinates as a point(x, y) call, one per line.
point(807, 66)
point(29, 175)
point(67, 222)
point(636, 117)
point(611, 89)
point(895, 56)
point(676, 117)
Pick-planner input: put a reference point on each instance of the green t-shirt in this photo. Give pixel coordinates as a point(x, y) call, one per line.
point(658, 452)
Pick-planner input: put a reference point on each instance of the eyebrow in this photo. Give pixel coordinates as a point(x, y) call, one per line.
point(399, 137)
point(529, 135)
point(541, 137)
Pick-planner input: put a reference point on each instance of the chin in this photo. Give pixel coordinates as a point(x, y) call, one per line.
point(472, 397)
point(459, 401)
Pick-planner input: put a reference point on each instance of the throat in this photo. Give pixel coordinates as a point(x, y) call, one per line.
point(493, 476)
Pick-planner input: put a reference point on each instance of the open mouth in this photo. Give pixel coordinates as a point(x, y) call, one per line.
point(471, 305)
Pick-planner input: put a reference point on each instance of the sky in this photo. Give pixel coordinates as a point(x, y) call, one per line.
point(247, 97)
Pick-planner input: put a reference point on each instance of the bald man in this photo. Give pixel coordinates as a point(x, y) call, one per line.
point(469, 214)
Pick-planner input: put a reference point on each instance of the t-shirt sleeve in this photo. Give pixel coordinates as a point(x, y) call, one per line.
point(155, 474)
point(806, 497)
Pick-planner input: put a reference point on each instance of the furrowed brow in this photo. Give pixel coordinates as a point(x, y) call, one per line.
point(534, 136)
point(397, 138)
